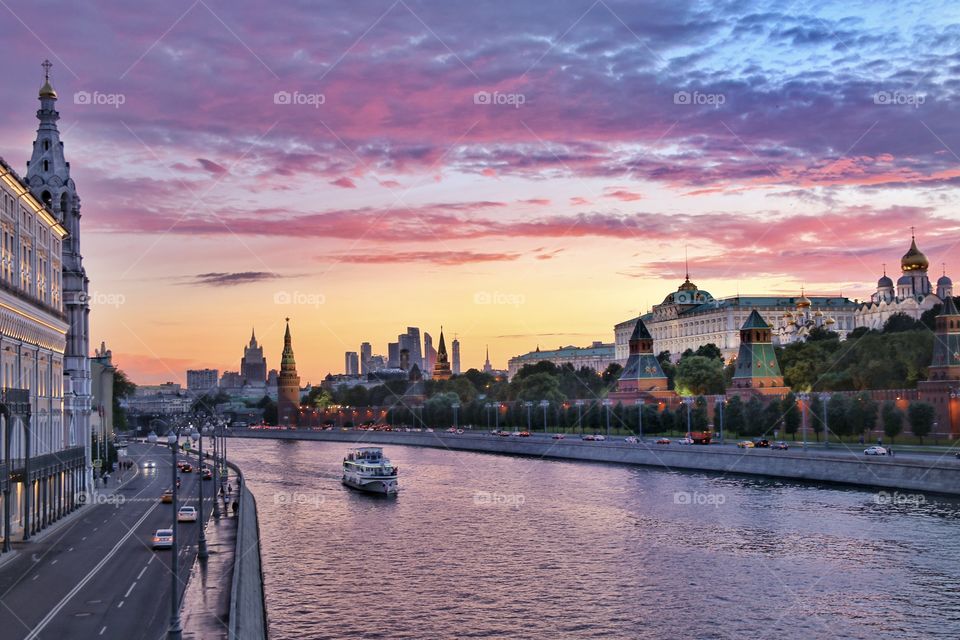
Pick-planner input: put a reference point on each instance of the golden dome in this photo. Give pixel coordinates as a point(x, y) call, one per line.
point(831, 321)
point(803, 302)
point(914, 260)
point(47, 90)
point(687, 285)
point(818, 314)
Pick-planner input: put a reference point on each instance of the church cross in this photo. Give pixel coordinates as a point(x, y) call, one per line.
point(46, 69)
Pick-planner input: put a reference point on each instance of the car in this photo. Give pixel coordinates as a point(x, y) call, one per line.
point(761, 444)
point(504, 434)
point(187, 467)
point(149, 464)
point(451, 430)
point(167, 496)
point(187, 514)
point(524, 434)
point(745, 444)
point(428, 430)
point(875, 451)
point(630, 440)
point(163, 539)
point(207, 474)
point(663, 440)
point(599, 438)
point(459, 431)
point(780, 445)
point(588, 438)
point(685, 441)
point(560, 436)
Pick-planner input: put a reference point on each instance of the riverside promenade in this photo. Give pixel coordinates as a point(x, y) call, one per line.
point(929, 472)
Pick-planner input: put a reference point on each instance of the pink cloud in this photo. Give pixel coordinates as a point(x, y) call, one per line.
point(344, 182)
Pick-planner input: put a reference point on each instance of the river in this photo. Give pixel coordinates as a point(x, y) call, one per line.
point(489, 546)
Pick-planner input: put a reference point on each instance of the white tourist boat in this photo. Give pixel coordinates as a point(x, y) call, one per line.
point(367, 469)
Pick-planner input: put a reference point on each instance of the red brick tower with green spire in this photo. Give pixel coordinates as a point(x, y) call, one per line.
point(288, 384)
point(942, 386)
point(757, 370)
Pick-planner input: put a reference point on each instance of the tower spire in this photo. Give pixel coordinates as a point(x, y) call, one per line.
point(686, 262)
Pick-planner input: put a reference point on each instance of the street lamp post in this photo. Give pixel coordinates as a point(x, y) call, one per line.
point(825, 398)
point(496, 416)
point(544, 405)
point(579, 404)
point(804, 398)
point(689, 402)
point(640, 403)
point(175, 626)
point(456, 407)
point(721, 405)
point(528, 405)
point(488, 406)
point(197, 435)
point(607, 403)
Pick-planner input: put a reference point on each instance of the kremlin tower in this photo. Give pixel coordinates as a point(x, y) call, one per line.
point(441, 368)
point(288, 387)
point(943, 377)
point(757, 369)
point(642, 376)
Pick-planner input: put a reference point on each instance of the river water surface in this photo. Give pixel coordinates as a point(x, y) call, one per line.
point(487, 546)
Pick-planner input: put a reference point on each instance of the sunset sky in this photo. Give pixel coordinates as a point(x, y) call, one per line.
point(240, 162)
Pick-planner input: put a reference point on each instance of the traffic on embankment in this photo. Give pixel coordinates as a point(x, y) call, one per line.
point(934, 472)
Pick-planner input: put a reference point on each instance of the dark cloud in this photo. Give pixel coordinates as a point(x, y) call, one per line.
point(215, 279)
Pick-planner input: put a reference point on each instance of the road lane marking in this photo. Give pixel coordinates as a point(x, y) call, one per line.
point(150, 560)
point(120, 605)
point(102, 630)
point(127, 594)
point(60, 605)
point(142, 571)
point(54, 562)
point(37, 575)
point(70, 549)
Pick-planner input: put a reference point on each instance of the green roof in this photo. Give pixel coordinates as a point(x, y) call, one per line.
point(755, 321)
point(640, 331)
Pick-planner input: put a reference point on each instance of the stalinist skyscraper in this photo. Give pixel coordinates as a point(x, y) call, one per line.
point(48, 175)
point(288, 386)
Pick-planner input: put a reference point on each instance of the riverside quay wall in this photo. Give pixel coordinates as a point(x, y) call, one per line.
point(248, 610)
point(936, 473)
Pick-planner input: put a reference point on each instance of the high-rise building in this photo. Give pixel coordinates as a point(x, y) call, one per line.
point(455, 354)
point(351, 363)
point(202, 380)
point(366, 353)
point(441, 369)
point(413, 343)
point(253, 366)
point(393, 355)
point(288, 384)
point(48, 177)
point(429, 353)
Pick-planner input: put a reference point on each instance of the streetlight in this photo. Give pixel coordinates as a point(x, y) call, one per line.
point(544, 405)
point(825, 398)
point(496, 415)
point(579, 404)
point(607, 404)
point(721, 404)
point(528, 405)
point(216, 467)
point(640, 402)
point(196, 436)
point(175, 627)
point(804, 398)
point(488, 406)
point(455, 406)
point(689, 402)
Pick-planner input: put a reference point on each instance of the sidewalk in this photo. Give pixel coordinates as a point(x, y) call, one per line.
point(206, 601)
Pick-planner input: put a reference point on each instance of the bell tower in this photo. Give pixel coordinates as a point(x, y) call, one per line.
point(48, 176)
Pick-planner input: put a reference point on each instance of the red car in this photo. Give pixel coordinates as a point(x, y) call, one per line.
point(663, 441)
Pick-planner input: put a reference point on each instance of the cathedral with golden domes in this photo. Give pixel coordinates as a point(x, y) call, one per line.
point(912, 295)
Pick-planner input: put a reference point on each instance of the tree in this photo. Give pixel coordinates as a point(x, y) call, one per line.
point(900, 322)
point(772, 417)
point(709, 350)
point(755, 418)
point(122, 388)
point(699, 375)
point(837, 415)
point(815, 415)
point(892, 420)
point(920, 415)
point(669, 370)
point(791, 414)
point(667, 420)
point(699, 418)
point(540, 386)
point(861, 414)
point(611, 374)
point(734, 419)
